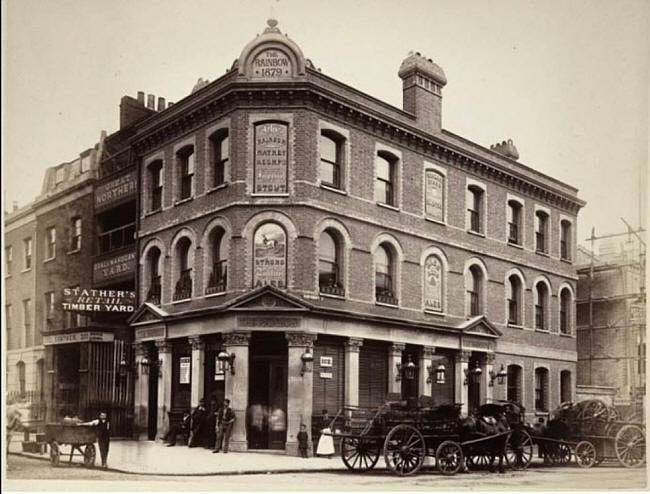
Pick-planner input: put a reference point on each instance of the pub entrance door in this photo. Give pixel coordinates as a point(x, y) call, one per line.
point(267, 411)
point(473, 387)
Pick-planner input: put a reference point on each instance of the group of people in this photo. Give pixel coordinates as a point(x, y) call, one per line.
point(197, 427)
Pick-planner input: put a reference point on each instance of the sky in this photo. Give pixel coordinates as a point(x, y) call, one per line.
point(567, 80)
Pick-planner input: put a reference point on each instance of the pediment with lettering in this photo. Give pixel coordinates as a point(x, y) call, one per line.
point(269, 298)
point(147, 313)
point(479, 326)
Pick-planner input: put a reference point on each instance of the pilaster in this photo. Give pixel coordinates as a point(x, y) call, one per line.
point(141, 393)
point(425, 363)
point(164, 385)
point(394, 358)
point(351, 386)
point(236, 385)
point(198, 367)
point(460, 388)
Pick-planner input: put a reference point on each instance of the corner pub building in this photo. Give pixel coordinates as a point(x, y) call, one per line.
point(285, 216)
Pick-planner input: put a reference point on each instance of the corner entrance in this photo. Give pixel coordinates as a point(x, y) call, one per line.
point(266, 418)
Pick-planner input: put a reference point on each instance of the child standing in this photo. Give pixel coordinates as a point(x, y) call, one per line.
point(103, 429)
point(303, 440)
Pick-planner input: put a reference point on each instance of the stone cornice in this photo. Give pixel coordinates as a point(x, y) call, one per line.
point(300, 339)
point(159, 131)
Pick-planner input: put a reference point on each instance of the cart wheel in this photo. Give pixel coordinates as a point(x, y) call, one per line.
point(404, 449)
point(359, 454)
point(562, 454)
point(55, 453)
point(519, 449)
point(594, 417)
point(585, 454)
point(449, 458)
point(89, 455)
point(481, 460)
point(630, 446)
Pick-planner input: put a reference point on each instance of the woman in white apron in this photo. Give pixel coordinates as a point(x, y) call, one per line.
point(326, 441)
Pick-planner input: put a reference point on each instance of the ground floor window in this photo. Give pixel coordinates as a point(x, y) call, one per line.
point(513, 392)
point(541, 389)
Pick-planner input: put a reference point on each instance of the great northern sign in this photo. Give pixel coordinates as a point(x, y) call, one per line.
point(94, 300)
point(116, 190)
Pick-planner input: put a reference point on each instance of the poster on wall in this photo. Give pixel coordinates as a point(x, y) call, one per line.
point(185, 371)
point(434, 195)
point(271, 158)
point(269, 256)
point(433, 284)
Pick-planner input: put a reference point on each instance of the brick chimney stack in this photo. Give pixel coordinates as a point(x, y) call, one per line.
point(422, 83)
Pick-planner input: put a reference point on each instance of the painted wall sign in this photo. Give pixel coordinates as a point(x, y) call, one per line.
point(433, 284)
point(268, 322)
point(62, 339)
point(326, 375)
point(271, 139)
point(114, 267)
point(116, 190)
point(271, 64)
point(326, 361)
point(434, 196)
point(96, 300)
point(149, 333)
point(270, 256)
point(185, 370)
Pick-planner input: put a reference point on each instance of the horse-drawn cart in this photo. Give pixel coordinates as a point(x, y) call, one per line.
point(405, 436)
point(79, 437)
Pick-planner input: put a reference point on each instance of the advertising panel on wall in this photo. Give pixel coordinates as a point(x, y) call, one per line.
point(95, 300)
point(270, 256)
point(270, 174)
point(433, 284)
point(434, 195)
point(112, 268)
point(115, 191)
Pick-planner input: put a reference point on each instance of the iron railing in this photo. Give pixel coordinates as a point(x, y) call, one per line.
point(117, 238)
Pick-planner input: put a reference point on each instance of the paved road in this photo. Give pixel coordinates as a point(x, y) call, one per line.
point(21, 469)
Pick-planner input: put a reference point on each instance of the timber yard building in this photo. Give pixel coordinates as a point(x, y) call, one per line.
point(284, 216)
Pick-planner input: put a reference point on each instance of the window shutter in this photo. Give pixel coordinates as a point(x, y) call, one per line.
point(373, 374)
point(328, 392)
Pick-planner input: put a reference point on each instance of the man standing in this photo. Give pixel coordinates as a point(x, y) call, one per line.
point(198, 419)
point(103, 430)
point(225, 421)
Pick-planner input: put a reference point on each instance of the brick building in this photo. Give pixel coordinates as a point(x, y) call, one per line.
point(284, 215)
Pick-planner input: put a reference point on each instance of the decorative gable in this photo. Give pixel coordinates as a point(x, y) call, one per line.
point(480, 326)
point(269, 298)
point(146, 314)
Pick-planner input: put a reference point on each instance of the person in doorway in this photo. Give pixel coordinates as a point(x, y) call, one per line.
point(225, 421)
point(103, 431)
point(182, 427)
point(197, 425)
point(303, 441)
point(325, 442)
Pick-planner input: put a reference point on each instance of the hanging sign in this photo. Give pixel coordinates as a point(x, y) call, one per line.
point(185, 366)
point(271, 158)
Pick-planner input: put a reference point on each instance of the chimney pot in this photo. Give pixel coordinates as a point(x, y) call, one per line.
point(141, 97)
point(151, 101)
point(161, 104)
point(170, 104)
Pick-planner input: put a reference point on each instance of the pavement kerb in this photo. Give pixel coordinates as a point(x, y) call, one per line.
point(208, 474)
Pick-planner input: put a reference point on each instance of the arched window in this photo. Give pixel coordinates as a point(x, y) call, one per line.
point(475, 208)
point(565, 311)
point(541, 389)
point(155, 185)
point(515, 297)
point(20, 371)
point(183, 288)
point(433, 284)
point(541, 232)
point(473, 289)
point(541, 305)
point(218, 278)
point(514, 377)
point(565, 386)
point(384, 273)
point(185, 158)
point(220, 154)
point(329, 264)
point(434, 201)
point(331, 158)
point(514, 222)
point(385, 190)
point(153, 275)
point(565, 240)
point(270, 256)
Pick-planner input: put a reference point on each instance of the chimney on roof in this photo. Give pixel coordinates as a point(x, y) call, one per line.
point(161, 104)
point(507, 149)
point(151, 101)
point(141, 97)
point(170, 103)
point(132, 109)
point(422, 83)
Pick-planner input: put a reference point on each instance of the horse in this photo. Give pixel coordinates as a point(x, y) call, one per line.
point(14, 422)
point(475, 427)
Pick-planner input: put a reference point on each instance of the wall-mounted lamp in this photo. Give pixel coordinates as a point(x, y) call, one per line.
point(144, 365)
point(227, 359)
point(500, 376)
point(124, 368)
point(473, 374)
point(307, 358)
point(441, 373)
point(406, 370)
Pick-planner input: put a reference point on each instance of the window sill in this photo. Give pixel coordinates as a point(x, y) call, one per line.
point(49, 260)
point(331, 188)
point(434, 312)
point(329, 295)
point(433, 220)
point(76, 251)
point(182, 301)
point(515, 326)
point(566, 335)
point(7, 276)
point(26, 270)
point(183, 201)
point(542, 253)
point(540, 330)
point(217, 187)
point(566, 260)
point(513, 244)
point(383, 304)
point(388, 206)
point(151, 213)
point(210, 295)
point(262, 194)
point(475, 233)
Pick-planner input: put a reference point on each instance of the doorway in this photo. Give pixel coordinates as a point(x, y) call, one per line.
point(267, 411)
point(473, 387)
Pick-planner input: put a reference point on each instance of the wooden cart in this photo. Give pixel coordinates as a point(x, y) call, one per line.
point(80, 438)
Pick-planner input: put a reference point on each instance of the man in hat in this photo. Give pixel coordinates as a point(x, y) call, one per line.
point(197, 424)
point(225, 421)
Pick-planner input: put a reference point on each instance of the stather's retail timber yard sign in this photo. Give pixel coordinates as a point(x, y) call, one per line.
point(94, 300)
